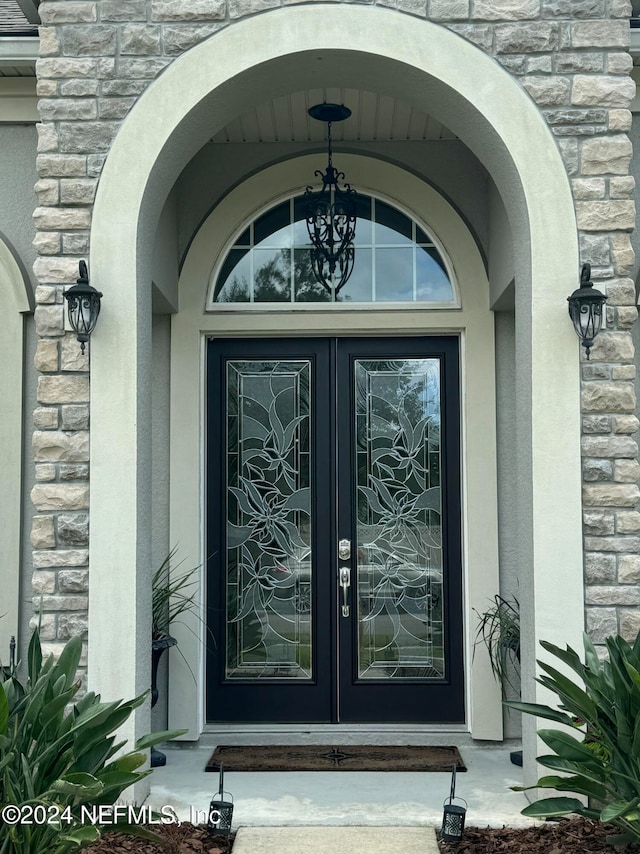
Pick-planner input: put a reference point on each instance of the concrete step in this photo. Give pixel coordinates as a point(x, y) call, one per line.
point(335, 840)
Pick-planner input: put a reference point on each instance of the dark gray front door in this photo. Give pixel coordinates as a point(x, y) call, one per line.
point(333, 534)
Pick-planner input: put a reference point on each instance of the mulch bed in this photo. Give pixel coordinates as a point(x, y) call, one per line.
point(567, 836)
point(179, 839)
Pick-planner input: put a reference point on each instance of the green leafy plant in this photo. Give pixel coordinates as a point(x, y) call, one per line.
point(602, 755)
point(172, 596)
point(499, 630)
point(60, 755)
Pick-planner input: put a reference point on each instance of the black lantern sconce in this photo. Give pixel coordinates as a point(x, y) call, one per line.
point(220, 811)
point(6, 672)
point(454, 815)
point(585, 309)
point(331, 213)
point(83, 306)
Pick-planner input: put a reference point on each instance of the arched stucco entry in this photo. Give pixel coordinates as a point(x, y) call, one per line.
point(15, 298)
point(469, 319)
point(243, 64)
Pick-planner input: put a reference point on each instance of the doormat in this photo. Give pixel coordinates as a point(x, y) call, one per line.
point(321, 757)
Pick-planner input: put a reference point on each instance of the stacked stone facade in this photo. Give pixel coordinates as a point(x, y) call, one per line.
point(97, 58)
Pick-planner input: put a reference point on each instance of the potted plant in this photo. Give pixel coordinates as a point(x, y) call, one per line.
point(172, 596)
point(499, 631)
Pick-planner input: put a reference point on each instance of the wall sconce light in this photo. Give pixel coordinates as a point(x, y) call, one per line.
point(585, 309)
point(83, 306)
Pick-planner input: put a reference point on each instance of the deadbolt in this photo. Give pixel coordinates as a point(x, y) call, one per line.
point(344, 549)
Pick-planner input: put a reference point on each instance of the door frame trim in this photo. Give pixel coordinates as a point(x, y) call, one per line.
point(333, 693)
point(473, 323)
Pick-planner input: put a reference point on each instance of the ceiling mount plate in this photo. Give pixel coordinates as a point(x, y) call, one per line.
point(329, 112)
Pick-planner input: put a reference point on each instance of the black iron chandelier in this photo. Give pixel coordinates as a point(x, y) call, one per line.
point(331, 213)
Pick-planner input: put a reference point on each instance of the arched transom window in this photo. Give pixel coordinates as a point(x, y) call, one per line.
point(396, 261)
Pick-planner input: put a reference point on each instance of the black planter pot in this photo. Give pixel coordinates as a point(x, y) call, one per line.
point(158, 646)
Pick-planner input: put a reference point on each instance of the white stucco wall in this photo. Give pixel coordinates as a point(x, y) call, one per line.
point(18, 175)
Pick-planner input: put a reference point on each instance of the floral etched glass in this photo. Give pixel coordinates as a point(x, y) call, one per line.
point(268, 495)
point(399, 513)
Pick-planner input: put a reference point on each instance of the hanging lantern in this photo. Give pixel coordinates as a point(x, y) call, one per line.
point(453, 816)
point(585, 309)
point(220, 811)
point(83, 306)
point(331, 213)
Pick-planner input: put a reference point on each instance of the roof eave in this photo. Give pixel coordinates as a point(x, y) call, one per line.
point(30, 10)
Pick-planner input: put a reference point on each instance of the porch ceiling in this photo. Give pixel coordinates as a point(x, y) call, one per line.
point(373, 117)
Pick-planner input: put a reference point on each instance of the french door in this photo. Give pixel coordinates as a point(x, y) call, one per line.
point(333, 530)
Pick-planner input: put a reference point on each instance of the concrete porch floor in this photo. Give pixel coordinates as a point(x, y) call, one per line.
point(303, 798)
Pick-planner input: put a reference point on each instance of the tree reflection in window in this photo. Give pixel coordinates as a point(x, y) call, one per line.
point(396, 260)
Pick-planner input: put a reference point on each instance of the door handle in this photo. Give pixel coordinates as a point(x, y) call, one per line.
point(345, 582)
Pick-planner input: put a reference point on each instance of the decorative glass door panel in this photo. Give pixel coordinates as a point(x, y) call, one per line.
point(333, 530)
point(268, 543)
point(399, 510)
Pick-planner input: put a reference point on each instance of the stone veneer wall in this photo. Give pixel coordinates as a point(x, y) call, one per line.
point(570, 55)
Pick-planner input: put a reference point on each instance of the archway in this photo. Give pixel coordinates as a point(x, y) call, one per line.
point(197, 95)
point(15, 294)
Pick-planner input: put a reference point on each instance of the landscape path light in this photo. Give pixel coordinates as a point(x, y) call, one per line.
point(220, 811)
point(454, 815)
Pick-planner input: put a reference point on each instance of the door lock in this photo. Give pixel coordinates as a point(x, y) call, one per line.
point(345, 582)
point(344, 549)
